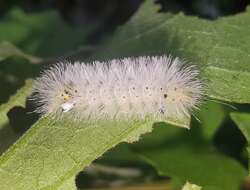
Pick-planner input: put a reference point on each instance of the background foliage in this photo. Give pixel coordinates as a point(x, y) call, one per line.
point(39, 153)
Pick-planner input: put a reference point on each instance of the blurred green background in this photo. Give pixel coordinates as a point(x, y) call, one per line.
point(35, 34)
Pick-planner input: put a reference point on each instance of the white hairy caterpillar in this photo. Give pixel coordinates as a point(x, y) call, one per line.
point(157, 87)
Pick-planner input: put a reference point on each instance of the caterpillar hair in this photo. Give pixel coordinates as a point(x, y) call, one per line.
point(133, 87)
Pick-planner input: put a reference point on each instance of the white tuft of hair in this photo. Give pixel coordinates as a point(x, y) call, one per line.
point(133, 87)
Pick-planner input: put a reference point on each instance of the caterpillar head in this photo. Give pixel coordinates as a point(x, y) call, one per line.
point(68, 97)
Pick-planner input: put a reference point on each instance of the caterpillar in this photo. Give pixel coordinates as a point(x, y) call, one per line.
point(132, 87)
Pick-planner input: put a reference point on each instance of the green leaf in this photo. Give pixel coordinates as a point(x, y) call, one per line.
point(211, 116)
point(43, 34)
point(70, 184)
point(243, 122)
point(51, 153)
point(191, 155)
point(186, 156)
point(213, 45)
point(209, 119)
point(34, 162)
point(8, 50)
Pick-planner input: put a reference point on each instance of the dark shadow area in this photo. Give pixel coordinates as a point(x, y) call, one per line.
point(105, 176)
point(80, 55)
point(191, 143)
point(167, 136)
point(20, 120)
point(230, 141)
point(103, 15)
point(8, 136)
point(85, 12)
point(208, 9)
point(242, 108)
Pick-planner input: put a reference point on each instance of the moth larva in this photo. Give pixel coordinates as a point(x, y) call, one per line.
point(157, 86)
